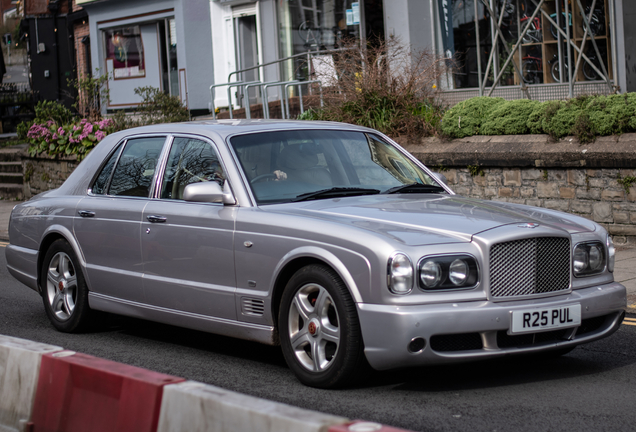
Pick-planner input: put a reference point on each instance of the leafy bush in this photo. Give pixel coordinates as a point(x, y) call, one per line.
point(159, 107)
point(52, 111)
point(509, 118)
point(465, 118)
point(614, 114)
point(78, 137)
point(386, 87)
point(585, 117)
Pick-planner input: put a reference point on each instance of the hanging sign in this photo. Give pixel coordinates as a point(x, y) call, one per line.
point(355, 8)
point(446, 20)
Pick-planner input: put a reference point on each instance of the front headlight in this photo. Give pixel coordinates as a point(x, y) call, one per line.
point(611, 251)
point(589, 259)
point(447, 272)
point(400, 274)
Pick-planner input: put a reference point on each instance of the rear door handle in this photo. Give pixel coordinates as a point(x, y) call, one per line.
point(156, 219)
point(86, 213)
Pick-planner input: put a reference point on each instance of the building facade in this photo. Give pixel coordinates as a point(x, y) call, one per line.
point(508, 48)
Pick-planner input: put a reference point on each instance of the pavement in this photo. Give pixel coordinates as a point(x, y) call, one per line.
point(624, 271)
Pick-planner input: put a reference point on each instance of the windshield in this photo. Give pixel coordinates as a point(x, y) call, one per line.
point(282, 166)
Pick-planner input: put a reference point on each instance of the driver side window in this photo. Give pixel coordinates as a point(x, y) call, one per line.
point(190, 161)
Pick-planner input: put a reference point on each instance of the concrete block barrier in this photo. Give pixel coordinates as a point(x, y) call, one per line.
point(19, 371)
point(77, 393)
point(197, 407)
point(46, 389)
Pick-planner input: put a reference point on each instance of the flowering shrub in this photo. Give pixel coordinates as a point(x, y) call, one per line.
point(76, 138)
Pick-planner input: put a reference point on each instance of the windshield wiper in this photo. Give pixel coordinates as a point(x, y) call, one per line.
point(335, 192)
point(416, 188)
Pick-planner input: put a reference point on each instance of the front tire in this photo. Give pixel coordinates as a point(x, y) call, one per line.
point(64, 290)
point(319, 328)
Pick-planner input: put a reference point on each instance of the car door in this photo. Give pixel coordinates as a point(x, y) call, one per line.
point(187, 247)
point(108, 222)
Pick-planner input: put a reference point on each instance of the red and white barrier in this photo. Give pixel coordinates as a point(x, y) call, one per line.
point(19, 370)
point(193, 406)
point(78, 392)
point(46, 389)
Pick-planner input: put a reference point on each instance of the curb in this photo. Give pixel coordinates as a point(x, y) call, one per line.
point(45, 388)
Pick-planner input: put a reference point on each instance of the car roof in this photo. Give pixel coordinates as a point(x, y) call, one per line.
point(225, 128)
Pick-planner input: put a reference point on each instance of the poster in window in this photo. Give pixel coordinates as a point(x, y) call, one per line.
point(124, 46)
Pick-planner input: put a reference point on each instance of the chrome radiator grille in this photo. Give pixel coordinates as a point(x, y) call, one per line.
point(529, 266)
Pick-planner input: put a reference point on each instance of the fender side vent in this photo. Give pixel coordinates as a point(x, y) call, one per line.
point(253, 307)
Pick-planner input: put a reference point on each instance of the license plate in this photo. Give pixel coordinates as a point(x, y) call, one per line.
point(534, 320)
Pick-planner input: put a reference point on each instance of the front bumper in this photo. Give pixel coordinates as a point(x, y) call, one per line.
point(468, 331)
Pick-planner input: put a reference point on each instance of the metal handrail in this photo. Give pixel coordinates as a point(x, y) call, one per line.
point(300, 85)
point(308, 54)
point(266, 97)
point(248, 110)
point(229, 93)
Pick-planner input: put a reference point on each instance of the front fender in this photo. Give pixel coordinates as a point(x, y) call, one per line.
point(356, 273)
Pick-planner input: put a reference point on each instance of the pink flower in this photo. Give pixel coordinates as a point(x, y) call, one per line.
point(88, 128)
point(76, 128)
point(55, 137)
point(60, 131)
point(105, 123)
point(99, 135)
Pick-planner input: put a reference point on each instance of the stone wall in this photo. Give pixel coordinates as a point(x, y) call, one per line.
point(42, 174)
point(596, 180)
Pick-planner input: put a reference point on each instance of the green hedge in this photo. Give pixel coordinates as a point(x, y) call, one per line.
point(585, 117)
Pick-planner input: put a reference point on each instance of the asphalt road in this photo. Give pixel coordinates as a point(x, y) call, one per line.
point(591, 389)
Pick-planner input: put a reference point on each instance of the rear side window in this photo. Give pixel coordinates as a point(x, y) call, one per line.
point(136, 167)
point(99, 187)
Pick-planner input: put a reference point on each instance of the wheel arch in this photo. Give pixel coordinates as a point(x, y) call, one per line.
point(53, 233)
point(301, 257)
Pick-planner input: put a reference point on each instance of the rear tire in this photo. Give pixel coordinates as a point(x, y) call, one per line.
point(64, 290)
point(319, 329)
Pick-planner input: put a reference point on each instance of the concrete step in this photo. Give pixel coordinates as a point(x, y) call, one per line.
point(11, 191)
point(11, 167)
point(13, 153)
point(11, 178)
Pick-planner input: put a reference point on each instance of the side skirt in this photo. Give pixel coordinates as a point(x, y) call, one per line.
point(248, 331)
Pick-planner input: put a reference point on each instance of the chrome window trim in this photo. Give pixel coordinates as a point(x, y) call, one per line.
point(469, 288)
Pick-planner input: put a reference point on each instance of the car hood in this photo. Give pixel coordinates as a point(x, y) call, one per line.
point(417, 219)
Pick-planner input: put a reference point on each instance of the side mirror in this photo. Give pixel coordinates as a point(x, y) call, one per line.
point(209, 191)
point(441, 177)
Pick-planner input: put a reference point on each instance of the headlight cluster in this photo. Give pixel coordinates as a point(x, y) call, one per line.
point(448, 272)
point(439, 272)
point(589, 258)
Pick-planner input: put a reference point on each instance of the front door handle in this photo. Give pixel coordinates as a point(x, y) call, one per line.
point(156, 219)
point(86, 213)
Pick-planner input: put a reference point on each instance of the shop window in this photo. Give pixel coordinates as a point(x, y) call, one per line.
point(543, 52)
point(125, 48)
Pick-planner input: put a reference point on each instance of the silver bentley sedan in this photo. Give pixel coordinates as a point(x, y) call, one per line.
point(325, 238)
